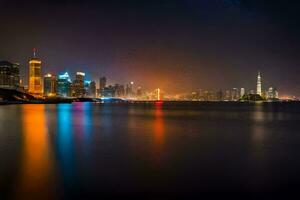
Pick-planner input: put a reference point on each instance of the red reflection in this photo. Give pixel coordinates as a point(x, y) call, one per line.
point(158, 129)
point(158, 103)
point(36, 166)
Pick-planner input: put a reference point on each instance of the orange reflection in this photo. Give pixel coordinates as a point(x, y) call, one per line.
point(36, 166)
point(159, 130)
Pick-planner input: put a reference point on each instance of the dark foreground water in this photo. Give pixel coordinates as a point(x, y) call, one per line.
point(149, 151)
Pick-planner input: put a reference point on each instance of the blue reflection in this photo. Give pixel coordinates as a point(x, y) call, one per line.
point(87, 122)
point(65, 142)
point(87, 119)
point(65, 126)
point(106, 119)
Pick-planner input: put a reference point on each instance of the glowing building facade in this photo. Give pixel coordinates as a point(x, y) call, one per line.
point(78, 85)
point(50, 85)
point(64, 85)
point(258, 87)
point(242, 93)
point(9, 75)
point(35, 76)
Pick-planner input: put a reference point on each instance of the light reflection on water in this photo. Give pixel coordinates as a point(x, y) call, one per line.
point(65, 145)
point(72, 149)
point(36, 170)
point(158, 131)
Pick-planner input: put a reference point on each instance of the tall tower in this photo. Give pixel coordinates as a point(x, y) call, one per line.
point(258, 87)
point(102, 83)
point(35, 75)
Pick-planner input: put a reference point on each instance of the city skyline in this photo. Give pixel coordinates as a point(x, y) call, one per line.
point(149, 99)
point(37, 72)
point(219, 43)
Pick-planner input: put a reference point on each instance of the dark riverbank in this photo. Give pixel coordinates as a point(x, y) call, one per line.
point(46, 101)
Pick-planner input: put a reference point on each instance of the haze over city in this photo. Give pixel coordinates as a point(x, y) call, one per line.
point(175, 45)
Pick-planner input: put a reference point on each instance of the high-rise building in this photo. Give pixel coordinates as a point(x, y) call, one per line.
point(242, 92)
point(50, 85)
point(129, 89)
point(9, 74)
point(64, 85)
point(78, 85)
point(258, 87)
point(235, 94)
point(119, 90)
point(272, 93)
point(92, 89)
point(35, 75)
point(102, 85)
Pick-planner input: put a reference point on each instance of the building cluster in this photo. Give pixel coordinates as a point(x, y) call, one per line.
point(118, 90)
point(234, 94)
point(61, 85)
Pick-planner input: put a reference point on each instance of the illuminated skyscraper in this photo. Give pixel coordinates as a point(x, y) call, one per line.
point(129, 89)
point(64, 85)
point(242, 92)
point(272, 93)
point(35, 75)
point(50, 85)
point(9, 74)
point(235, 94)
point(258, 88)
point(78, 84)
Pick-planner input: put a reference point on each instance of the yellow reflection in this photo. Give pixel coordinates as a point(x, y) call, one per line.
point(258, 132)
point(36, 167)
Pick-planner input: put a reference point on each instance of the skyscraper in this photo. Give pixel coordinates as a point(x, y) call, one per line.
point(50, 85)
point(102, 85)
point(272, 93)
point(234, 94)
point(64, 85)
point(78, 85)
point(242, 92)
point(92, 89)
point(35, 75)
point(258, 87)
point(9, 74)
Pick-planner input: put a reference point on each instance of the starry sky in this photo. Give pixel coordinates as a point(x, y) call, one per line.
point(177, 45)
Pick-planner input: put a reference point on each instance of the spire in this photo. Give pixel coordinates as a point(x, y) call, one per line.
point(34, 52)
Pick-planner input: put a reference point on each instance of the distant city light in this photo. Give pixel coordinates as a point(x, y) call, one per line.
point(65, 76)
point(48, 75)
point(80, 73)
point(87, 82)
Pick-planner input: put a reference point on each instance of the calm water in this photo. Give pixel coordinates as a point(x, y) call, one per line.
point(85, 150)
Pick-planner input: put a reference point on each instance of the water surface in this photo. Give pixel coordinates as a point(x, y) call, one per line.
point(86, 150)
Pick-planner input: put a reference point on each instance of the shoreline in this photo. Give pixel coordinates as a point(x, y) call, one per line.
point(130, 102)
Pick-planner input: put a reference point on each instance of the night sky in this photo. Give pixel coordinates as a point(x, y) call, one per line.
point(177, 45)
